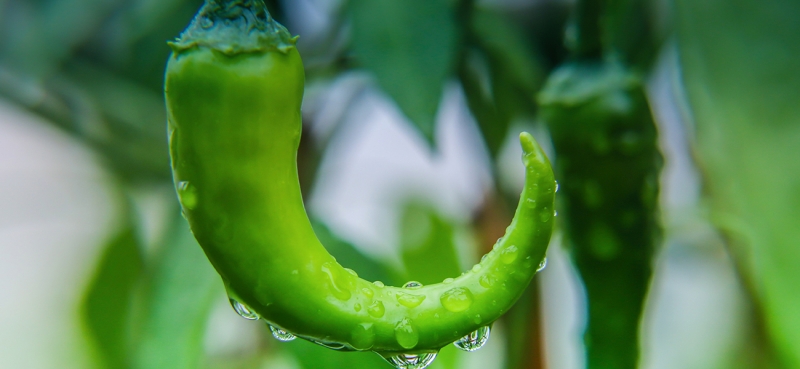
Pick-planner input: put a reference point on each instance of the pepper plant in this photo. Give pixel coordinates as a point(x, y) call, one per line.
point(242, 161)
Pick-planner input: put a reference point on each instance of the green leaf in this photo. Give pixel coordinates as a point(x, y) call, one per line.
point(178, 299)
point(427, 244)
point(499, 77)
point(509, 51)
point(740, 67)
point(410, 46)
point(107, 306)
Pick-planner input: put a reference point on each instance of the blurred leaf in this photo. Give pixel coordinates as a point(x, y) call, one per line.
point(492, 122)
point(132, 120)
point(507, 47)
point(350, 257)
point(411, 46)
point(427, 245)
point(178, 300)
point(448, 357)
point(740, 66)
point(313, 356)
point(37, 36)
point(108, 303)
point(500, 77)
point(524, 331)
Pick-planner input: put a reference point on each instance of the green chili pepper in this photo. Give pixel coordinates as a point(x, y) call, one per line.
point(608, 164)
point(234, 87)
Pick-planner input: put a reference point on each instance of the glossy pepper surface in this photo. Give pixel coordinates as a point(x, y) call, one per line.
point(234, 87)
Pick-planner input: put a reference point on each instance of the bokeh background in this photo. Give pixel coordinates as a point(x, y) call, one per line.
point(403, 169)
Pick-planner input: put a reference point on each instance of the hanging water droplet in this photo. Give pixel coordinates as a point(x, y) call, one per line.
point(243, 310)
point(474, 340)
point(542, 265)
point(411, 361)
point(556, 186)
point(405, 334)
point(456, 299)
point(280, 334)
point(555, 213)
point(412, 284)
point(187, 194)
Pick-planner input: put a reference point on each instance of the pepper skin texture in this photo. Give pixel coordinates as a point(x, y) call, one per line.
point(234, 130)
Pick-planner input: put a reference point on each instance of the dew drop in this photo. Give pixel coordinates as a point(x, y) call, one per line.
point(367, 292)
point(527, 264)
point(357, 307)
point(187, 194)
point(484, 257)
point(351, 271)
point(243, 310)
point(456, 299)
point(362, 337)
point(448, 280)
point(412, 284)
point(542, 265)
point(509, 254)
point(474, 340)
point(556, 186)
point(379, 284)
point(476, 268)
point(334, 280)
point(405, 334)
point(408, 300)
point(487, 281)
point(376, 309)
point(546, 214)
point(280, 334)
point(531, 203)
point(411, 361)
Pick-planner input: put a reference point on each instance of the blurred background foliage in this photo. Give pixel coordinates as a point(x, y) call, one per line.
point(446, 77)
